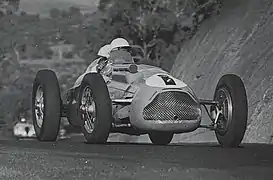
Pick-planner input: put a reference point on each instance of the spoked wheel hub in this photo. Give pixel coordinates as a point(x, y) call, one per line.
point(39, 106)
point(46, 105)
point(230, 110)
point(88, 109)
point(223, 110)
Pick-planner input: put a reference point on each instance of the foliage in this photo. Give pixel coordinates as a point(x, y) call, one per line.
point(28, 37)
point(154, 25)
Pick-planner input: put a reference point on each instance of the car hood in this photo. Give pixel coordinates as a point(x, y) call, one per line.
point(154, 76)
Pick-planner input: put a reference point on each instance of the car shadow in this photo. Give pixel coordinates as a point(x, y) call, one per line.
point(204, 145)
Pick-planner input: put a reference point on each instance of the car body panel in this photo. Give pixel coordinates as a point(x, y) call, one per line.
point(144, 97)
point(132, 92)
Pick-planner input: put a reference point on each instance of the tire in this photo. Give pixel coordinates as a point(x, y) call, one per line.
point(232, 125)
point(46, 82)
point(161, 138)
point(102, 104)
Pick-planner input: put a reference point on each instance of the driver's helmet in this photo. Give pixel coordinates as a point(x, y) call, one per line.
point(120, 51)
point(105, 50)
point(119, 43)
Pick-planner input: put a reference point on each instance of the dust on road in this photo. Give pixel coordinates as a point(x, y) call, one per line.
point(77, 160)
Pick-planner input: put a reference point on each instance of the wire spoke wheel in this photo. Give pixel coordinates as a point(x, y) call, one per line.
point(88, 109)
point(46, 105)
point(225, 107)
point(39, 106)
point(95, 107)
point(231, 111)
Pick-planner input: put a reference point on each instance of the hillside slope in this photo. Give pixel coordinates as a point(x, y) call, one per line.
point(43, 7)
point(240, 41)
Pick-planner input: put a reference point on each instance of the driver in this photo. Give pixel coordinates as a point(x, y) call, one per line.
point(98, 64)
point(120, 52)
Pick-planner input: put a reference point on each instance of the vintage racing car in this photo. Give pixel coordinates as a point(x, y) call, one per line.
point(138, 99)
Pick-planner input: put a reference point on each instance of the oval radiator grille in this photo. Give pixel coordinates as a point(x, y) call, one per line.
point(172, 105)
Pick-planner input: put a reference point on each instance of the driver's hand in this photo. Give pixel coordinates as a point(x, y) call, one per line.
point(101, 64)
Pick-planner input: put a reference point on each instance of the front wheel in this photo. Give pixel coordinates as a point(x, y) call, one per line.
point(232, 110)
point(46, 105)
point(95, 108)
point(161, 138)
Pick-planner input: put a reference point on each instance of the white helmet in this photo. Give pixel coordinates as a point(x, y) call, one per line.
point(119, 42)
point(105, 50)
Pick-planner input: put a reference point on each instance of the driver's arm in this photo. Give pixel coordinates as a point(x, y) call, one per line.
point(92, 66)
point(101, 64)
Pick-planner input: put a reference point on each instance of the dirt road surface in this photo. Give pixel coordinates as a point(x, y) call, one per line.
point(74, 159)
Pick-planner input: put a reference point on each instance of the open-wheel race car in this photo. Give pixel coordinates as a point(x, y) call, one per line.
point(138, 99)
point(23, 129)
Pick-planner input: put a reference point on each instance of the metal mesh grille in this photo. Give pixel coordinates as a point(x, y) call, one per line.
point(172, 105)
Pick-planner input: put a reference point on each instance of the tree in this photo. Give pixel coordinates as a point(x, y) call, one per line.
point(55, 13)
point(151, 24)
point(74, 11)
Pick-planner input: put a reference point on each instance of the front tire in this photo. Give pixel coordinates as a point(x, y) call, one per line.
point(161, 138)
point(231, 126)
point(46, 105)
point(95, 107)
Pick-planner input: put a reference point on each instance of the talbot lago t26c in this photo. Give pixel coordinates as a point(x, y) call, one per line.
point(137, 99)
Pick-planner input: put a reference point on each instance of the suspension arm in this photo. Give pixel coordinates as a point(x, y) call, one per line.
point(208, 102)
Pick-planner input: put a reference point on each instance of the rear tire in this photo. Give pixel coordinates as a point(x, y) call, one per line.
point(46, 87)
point(98, 120)
point(161, 138)
point(232, 125)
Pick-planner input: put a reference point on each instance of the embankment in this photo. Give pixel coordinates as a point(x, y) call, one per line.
point(240, 41)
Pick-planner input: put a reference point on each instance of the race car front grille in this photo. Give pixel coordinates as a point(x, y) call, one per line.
point(172, 106)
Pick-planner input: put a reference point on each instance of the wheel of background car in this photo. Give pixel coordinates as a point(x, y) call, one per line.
point(46, 105)
point(231, 126)
point(95, 107)
point(161, 138)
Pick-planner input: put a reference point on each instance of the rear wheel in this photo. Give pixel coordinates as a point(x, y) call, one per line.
point(95, 107)
point(161, 138)
point(46, 105)
point(232, 109)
